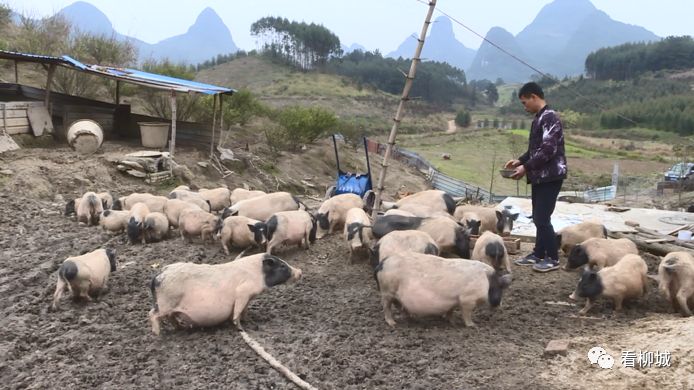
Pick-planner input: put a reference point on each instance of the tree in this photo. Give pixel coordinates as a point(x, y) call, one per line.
point(491, 93)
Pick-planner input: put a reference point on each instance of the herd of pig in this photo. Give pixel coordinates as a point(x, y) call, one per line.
point(405, 245)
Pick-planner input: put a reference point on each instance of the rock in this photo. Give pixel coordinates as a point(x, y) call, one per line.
point(556, 347)
point(59, 199)
point(203, 164)
point(47, 266)
point(7, 172)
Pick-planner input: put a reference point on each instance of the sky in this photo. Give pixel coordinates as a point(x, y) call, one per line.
point(375, 24)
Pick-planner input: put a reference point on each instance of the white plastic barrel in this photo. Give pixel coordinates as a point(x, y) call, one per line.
point(85, 136)
point(154, 134)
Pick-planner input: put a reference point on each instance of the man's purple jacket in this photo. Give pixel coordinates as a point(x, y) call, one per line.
point(545, 160)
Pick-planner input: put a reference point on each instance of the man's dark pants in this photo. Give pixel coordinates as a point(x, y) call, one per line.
point(544, 199)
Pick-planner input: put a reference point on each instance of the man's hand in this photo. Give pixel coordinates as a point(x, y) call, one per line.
point(519, 172)
point(512, 164)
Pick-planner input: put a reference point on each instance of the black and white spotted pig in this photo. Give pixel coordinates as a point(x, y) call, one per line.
point(85, 275)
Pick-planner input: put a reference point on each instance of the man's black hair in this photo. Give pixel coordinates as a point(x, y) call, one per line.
point(531, 88)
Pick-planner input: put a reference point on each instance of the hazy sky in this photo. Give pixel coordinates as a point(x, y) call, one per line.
point(375, 24)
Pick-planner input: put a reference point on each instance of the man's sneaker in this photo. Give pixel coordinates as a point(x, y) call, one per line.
point(530, 259)
point(546, 265)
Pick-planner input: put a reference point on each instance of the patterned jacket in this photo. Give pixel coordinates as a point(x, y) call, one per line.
point(545, 160)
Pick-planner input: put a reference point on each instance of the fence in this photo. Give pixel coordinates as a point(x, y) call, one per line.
point(438, 180)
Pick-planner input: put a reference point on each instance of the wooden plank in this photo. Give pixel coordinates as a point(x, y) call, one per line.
point(683, 227)
point(21, 113)
point(18, 130)
point(21, 105)
point(40, 120)
point(656, 240)
point(11, 122)
point(658, 249)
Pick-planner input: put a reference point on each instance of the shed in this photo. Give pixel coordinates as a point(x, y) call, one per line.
point(17, 100)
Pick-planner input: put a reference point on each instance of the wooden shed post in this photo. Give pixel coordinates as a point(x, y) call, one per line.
point(117, 92)
point(16, 73)
point(49, 81)
point(172, 144)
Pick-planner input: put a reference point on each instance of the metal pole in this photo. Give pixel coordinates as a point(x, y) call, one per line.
point(398, 115)
point(172, 144)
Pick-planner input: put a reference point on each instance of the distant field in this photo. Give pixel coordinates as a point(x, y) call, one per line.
point(473, 153)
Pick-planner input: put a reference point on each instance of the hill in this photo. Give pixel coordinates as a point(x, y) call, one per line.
point(557, 41)
point(206, 38)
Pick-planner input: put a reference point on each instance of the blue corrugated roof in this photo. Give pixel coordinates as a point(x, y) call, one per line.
point(134, 76)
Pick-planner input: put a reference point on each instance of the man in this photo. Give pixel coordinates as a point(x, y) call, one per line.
point(544, 165)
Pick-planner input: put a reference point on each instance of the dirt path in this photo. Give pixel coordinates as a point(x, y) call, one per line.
point(452, 128)
point(328, 328)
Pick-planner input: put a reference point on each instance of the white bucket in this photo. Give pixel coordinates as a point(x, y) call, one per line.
point(154, 134)
point(684, 235)
point(85, 136)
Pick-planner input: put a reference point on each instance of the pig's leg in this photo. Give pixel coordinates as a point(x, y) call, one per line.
point(306, 242)
point(154, 319)
point(449, 316)
point(239, 307)
point(225, 245)
point(467, 309)
point(268, 247)
point(387, 306)
point(58, 292)
point(618, 303)
point(682, 296)
point(589, 304)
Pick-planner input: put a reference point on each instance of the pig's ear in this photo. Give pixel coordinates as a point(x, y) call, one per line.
point(498, 214)
point(514, 216)
point(252, 227)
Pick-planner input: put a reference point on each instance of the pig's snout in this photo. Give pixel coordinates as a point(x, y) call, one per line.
point(296, 274)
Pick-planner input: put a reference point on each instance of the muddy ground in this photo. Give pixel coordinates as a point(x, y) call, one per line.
point(328, 328)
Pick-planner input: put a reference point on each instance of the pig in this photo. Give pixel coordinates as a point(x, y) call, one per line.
point(192, 197)
point(290, 227)
point(240, 194)
point(153, 202)
point(427, 203)
point(115, 221)
point(193, 222)
point(428, 285)
point(89, 208)
point(71, 206)
point(600, 252)
point(676, 281)
point(357, 231)
point(156, 227)
point(472, 221)
point(489, 248)
point(448, 235)
point(201, 295)
point(85, 275)
point(261, 208)
point(570, 236)
point(399, 212)
point(174, 208)
point(491, 219)
point(243, 233)
point(181, 188)
point(219, 198)
point(106, 200)
point(332, 213)
point(136, 220)
point(625, 280)
point(401, 241)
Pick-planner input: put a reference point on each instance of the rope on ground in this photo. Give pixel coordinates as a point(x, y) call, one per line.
point(273, 362)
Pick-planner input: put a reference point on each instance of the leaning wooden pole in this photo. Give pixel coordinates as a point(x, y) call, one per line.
point(398, 114)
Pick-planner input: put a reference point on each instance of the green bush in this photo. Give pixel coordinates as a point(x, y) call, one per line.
point(463, 118)
point(305, 125)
